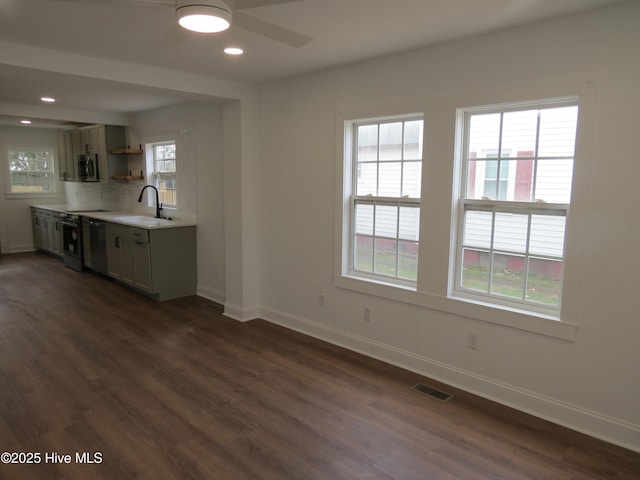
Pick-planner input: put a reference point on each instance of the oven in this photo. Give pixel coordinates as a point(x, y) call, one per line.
point(72, 241)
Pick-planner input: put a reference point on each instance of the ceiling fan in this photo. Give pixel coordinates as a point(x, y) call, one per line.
point(211, 16)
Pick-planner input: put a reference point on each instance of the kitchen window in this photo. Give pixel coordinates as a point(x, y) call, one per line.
point(517, 168)
point(385, 162)
point(31, 170)
point(163, 165)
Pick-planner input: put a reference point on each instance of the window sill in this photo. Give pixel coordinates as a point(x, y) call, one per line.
point(512, 318)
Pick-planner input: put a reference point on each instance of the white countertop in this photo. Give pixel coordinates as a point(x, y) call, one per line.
point(124, 218)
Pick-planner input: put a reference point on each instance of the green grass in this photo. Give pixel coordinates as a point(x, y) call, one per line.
point(540, 289)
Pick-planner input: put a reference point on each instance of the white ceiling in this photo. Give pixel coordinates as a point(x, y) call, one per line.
point(142, 33)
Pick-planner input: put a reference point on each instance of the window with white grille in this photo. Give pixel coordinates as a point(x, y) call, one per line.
point(386, 163)
point(517, 169)
point(31, 170)
point(164, 172)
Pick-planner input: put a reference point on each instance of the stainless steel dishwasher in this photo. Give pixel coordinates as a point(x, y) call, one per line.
point(98, 234)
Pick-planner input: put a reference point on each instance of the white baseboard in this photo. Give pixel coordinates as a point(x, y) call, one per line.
point(210, 293)
point(241, 314)
point(592, 423)
point(26, 247)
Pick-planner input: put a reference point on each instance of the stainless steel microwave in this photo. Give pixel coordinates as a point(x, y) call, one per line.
point(88, 167)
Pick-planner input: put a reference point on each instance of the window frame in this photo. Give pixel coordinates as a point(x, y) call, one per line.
point(463, 205)
point(52, 150)
point(150, 148)
point(350, 165)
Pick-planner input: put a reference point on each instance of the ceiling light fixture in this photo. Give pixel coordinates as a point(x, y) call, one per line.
point(233, 51)
point(204, 16)
point(25, 122)
point(48, 99)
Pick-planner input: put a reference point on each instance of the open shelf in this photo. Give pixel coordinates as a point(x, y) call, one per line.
point(127, 177)
point(125, 151)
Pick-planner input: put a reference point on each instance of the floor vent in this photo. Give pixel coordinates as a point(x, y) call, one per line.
point(432, 392)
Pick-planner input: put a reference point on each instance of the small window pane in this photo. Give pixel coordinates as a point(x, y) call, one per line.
point(386, 221)
point(553, 184)
point(519, 132)
point(477, 229)
point(408, 260)
point(508, 275)
point(411, 178)
point(386, 256)
point(544, 281)
point(367, 181)
point(367, 143)
point(409, 224)
point(390, 179)
point(364, 219)
point(484, 135)
point(391, 141)
point(363, 253)
point(413, 140)
point(523, 180)
point(558, 132)
point(547, 235)
point(510, 232)
point(475, 270)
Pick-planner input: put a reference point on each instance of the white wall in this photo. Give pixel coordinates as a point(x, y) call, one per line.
point(589, 383)
point(15, 215)
point(210, 202)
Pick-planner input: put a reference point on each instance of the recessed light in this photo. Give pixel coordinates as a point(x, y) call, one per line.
point(233, 51)
point(26, 122)
point(48, 99)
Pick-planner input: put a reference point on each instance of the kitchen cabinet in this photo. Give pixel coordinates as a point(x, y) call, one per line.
point(120, 252)
point(86, 244)
point(95, 139)
point(47, 231)
point(68, 143)
point(89, 139)
point(158, 262)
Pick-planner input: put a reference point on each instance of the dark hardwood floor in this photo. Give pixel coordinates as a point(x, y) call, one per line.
point(175, 390)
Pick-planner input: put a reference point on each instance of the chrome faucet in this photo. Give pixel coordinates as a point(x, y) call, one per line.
point(158, 204)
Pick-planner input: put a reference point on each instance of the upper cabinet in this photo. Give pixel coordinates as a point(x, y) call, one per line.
point(99, 140)
point(67, 155)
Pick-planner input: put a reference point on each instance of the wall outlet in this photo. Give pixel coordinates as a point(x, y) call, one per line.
point(367, 314)
point(473, 340)
point(321, 299)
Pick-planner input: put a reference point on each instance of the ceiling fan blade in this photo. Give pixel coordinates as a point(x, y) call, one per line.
point(240, 4)
point(270, 30)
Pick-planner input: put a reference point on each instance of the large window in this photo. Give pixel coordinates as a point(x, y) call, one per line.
point(386, 163)
point(31, 170)
point(164, 172)
point(515, 193)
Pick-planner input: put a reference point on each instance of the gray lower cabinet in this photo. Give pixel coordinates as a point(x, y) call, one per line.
point(157, 262)
point(47, 231)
